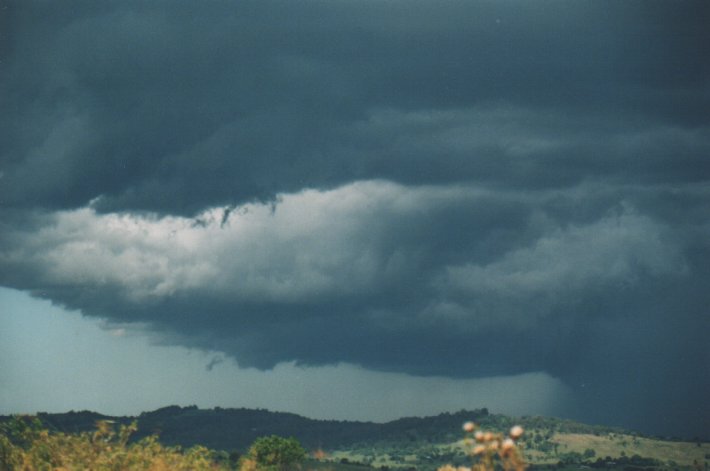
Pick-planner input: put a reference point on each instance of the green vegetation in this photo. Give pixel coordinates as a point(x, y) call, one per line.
point(227, 438)
point(274, 453)
point(26, 446)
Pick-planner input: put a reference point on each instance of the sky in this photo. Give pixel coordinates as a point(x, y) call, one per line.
point(358, 209)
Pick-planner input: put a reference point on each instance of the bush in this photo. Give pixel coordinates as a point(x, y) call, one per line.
point(25, 445)
point(274, 453)
point(492, 451)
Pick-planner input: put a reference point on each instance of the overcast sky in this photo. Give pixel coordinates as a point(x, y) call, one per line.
point(357, 209)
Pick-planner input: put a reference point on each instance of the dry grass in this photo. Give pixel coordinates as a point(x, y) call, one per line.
point(683, 453)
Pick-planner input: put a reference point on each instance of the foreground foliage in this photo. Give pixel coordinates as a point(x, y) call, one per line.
point(26, 446)
point(490, 451)
point(274, 453)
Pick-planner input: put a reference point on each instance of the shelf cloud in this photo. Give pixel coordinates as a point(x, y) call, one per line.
point(446, 189)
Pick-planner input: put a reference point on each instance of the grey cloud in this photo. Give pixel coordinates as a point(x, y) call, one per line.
point(236, 102)
point(216, 360)
point(560, 266)
point(459, 281)
point(448, 188)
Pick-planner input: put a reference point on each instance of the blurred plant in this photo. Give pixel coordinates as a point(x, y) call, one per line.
point(26, 446)
point(490, 451)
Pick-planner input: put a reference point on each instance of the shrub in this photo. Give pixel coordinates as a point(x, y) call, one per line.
point(490, 450)
point(26, 446)
point(274, 453)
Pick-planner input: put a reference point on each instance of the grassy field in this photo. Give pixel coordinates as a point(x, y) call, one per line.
point(669, 453)
point(313, 465)
point(682, 453)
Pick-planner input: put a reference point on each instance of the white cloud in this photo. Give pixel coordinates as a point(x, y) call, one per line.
point(345, 242)
point(309, 243)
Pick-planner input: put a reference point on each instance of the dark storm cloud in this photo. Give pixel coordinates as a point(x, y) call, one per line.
point(452, 280)
point(494, 188)
point(227, 102)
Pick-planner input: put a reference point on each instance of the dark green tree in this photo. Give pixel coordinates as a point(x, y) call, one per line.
point(275, 453)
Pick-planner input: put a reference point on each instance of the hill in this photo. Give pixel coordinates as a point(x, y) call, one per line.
point(414, 442)
point(228, 429)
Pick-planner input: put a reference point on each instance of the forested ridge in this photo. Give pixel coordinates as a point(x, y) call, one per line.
point(228, 429)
